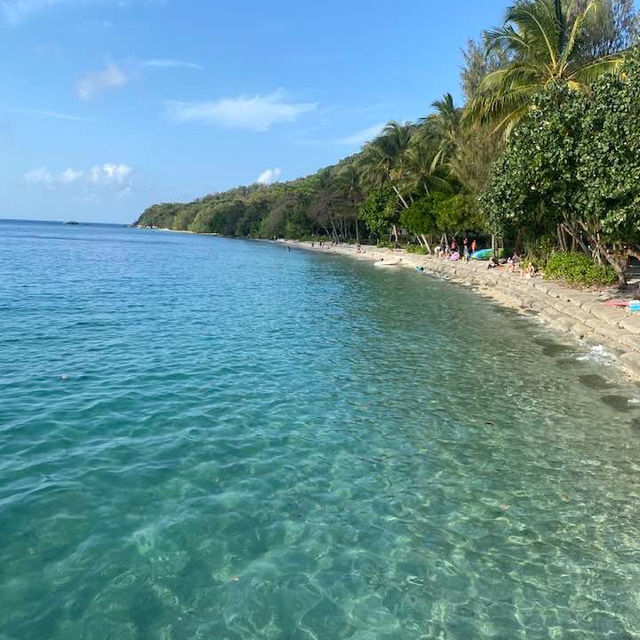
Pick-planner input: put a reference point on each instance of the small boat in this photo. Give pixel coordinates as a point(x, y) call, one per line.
point(388, 262)
point(72, 222)
point(482, 254)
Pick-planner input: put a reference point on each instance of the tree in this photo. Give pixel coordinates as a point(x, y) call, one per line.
point(380, 212)
point(542, 39)
point(572, 167)
point(381, 159)
point(612, 28)
point(608, 157)
point(441, 128)
point(349, 176)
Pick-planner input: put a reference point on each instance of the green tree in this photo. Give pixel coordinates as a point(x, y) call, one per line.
point(379, 212)
point(542, 39)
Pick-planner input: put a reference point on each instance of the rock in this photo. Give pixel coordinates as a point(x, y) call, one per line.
point(610, 315)
point(631, 361)
point(579, 330)
point(565, 325)
point(631, 324)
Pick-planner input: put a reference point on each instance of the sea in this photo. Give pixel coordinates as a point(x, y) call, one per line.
point(219, 439)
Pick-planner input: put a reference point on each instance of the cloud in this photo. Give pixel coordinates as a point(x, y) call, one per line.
point(91, 85)
point(257, 113)
point(360, 137)
point(101, 175)
point(162, 63)
point(109, 173)
point(44, 113)
point(39, 176)
point(269, 176)
point(70, 175)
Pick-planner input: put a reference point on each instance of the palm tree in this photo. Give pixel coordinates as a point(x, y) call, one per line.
point(422, 170)
point(442, 127)
point(542, 39)
point(350, 179)
point(381, 159)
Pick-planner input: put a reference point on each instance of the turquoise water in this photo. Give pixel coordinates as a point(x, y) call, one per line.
point(217, 439)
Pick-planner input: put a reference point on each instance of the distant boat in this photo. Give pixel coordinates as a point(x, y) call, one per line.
point(71, 222)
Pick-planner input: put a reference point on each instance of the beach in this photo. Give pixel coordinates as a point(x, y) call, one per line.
point(582, 314)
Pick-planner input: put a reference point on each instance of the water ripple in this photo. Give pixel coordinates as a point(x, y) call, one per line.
point(203, 438)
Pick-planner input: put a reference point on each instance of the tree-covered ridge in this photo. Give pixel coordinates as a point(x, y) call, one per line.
point(543, 153)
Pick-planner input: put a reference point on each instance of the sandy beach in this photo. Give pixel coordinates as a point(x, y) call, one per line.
point(581, 313)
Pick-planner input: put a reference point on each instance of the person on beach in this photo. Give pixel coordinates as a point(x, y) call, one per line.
point(474, 246)
point(513, 261)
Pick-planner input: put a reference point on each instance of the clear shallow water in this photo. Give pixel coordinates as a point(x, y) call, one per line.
point(206, 438)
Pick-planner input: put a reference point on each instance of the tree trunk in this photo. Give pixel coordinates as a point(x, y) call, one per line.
point(426, 243)
point(404, 202)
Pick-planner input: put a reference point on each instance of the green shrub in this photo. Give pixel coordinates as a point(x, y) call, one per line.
point(579, 268)
point(416, 248)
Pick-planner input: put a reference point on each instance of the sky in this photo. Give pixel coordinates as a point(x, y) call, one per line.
point(109, 106)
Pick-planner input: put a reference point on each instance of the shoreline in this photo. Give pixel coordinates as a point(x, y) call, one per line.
point(580, 314)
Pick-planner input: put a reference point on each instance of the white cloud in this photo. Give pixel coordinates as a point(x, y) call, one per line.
point(70, 175)
point(101, 175)
point(360, 137)
point(162, 63)
point(109, 173)
point(269, 176)
point(257, 113)
point(39, 176)
point(44, 113)
point(91, 85)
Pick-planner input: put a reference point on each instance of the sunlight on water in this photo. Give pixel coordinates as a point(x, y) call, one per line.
point(206, 438)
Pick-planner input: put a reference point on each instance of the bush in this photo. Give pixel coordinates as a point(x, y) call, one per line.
point(416, 248)
point(579, 268)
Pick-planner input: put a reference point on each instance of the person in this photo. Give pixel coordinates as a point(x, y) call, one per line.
point(513, 261)
point(454, 246)
point(474, 246)
point(493, 263)
point(465, 253)
point(455, 256)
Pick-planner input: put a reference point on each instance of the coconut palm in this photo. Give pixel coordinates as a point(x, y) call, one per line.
point(441, 128)
point(542, 39)
point(349, 177)
point(422, 170)
point(381, 160)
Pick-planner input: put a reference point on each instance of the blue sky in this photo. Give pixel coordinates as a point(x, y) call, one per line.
point(108, 106)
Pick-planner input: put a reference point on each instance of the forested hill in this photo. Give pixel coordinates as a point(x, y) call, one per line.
point(544, 154)
point(319, 205)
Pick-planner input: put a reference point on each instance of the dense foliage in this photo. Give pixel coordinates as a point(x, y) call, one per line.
point(545, 154)
point(578, 268)
point(572, 167)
